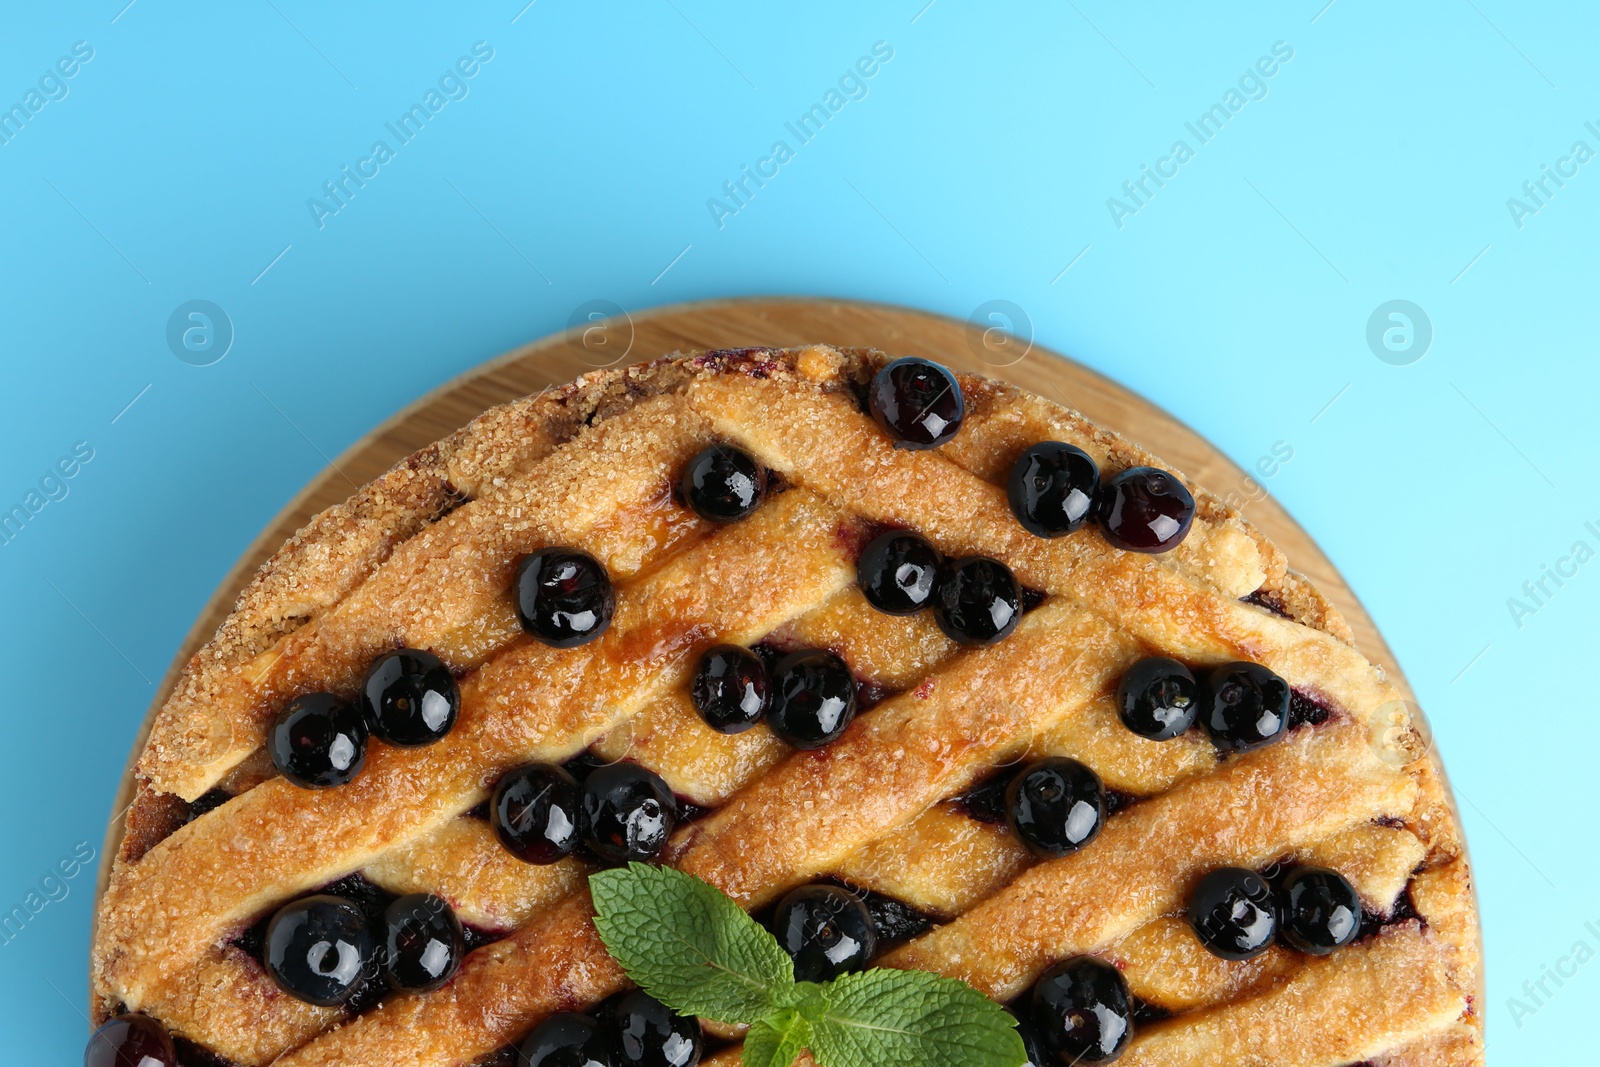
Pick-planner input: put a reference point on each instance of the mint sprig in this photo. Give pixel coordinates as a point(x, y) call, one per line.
point(686, 944)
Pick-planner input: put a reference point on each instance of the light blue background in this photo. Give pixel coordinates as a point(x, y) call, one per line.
point(977, 167)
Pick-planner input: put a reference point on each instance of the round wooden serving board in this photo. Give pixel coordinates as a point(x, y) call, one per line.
point(562, 357)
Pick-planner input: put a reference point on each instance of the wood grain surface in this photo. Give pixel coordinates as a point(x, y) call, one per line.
point(561, 357)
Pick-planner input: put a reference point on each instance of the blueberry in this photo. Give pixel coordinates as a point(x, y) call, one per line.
point(318, 740)
point(813, 698)
point(917, 402)
point(1245, 706)
point(318, 949)
point(1033, 1044)
point(897, 572)
point(826, 930)
point(723, 484)
point(1052, 488)
point(1143, 509)
point(566, 1040)
point(1055, 806)
point(628, 813)
point(1083, 1010)
point(1233, 913)
point(1320, 910)
point(409, 698)
point(646, 1033)
point(730, 688)
point(131, 1040)
point(978, 601)
point(1156, 698)
point(537, 812)
point(564, 597)
point(423, 943)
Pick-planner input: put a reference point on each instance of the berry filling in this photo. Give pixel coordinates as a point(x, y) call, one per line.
point(986, 801)
point(372, 902)
point(207, 802)
point(893, 920)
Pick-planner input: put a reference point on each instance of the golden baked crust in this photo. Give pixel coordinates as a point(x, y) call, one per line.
point(423, 557)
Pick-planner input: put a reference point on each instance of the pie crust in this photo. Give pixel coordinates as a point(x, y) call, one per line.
point(423, 557)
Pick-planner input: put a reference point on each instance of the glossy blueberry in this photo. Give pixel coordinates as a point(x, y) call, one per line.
point(1033, 1044)
point(409, 698)
point(730, 688)
point(564, 597)
point(628, 813)
point(826, 930)
point(1319, 910)
point(1233, 913)
point(318, 740)
point(1157, 699)
point(917, 402)
point(131, 1040)
point(897, 572)
point(423, 943)
point(1143, 509)
point(723, 484)
point(537, 812)
point(646, 1033)
point(1083, 1010)
point(978, 601)
point(566, 1040)
point(1052, 488)
point(1244, 706)
point(1055, 806)
point(318, 949)
point(813, 698)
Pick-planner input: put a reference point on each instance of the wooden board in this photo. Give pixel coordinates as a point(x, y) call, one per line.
point(561, 357)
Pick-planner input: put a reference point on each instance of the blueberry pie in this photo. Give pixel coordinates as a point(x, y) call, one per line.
point(922, 670)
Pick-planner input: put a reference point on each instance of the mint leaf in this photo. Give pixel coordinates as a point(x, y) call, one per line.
point(686, 944)
point(776, 1043)
point(889, 1018)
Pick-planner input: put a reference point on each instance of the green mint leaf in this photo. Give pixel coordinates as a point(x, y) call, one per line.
point(808, 998)
point(686, 944)
point(776, 1042)
point(889, 1018)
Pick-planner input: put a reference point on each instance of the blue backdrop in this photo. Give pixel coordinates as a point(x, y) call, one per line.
point(1218, 209)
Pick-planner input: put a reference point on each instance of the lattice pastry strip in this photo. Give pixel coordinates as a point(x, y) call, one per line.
point(1043, 689)
point(537, 704)
point(340, 548)
point(445, 588)
point(1253, 808)
point(1337, 1009)
point(464, 863)
point(777, 782)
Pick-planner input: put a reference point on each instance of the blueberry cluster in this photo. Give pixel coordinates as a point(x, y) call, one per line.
point(408, 699)
point(1055, 488)
point(629, 1030)
point(1242, 705)
point(807, 697)
point(975, 600)
point(619, 813)
point(324, 948)
point(1081, 1011)
point(1237, 914)
point(564, 598)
